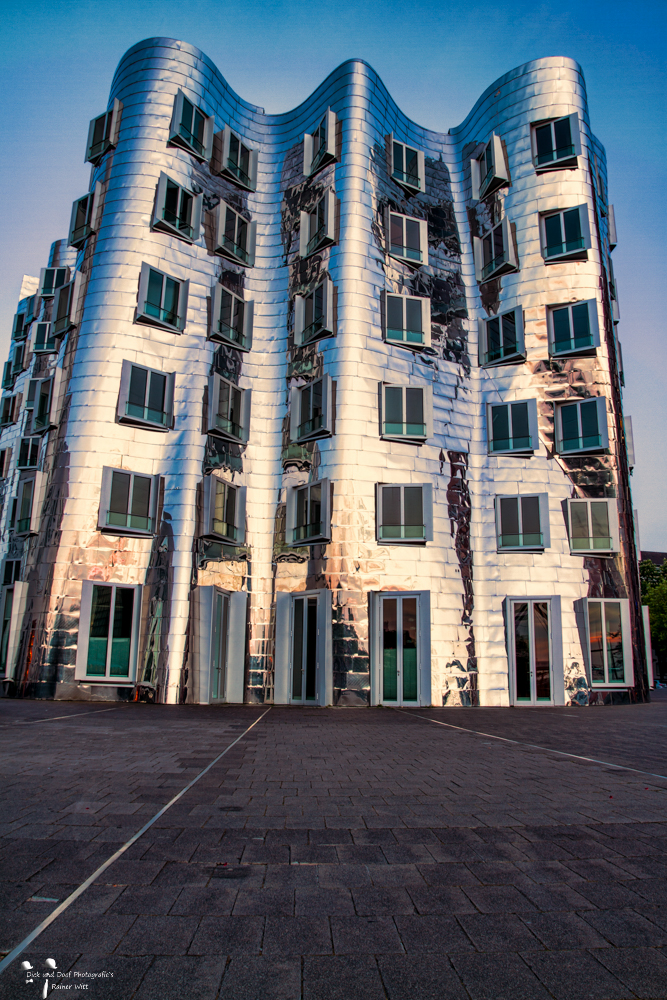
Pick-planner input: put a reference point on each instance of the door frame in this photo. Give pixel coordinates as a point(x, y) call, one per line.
point(556, 649)
point(202, 663)
point(282, 679)
point(423, 648)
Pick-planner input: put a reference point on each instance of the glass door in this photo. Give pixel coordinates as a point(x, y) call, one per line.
point(304, 650)
point(400, 650)
point(531, 629)
point(219, 645)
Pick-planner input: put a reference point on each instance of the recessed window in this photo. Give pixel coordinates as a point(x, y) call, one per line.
point(556, 143)
point(8, 410)
point(11, 572)
point(501, 340)
point(27, 507)
point(582, 426)
point(19, 326)
point(522, 522)
point(611, 228)
point(231, 318)
point(224, 511)
point(146, 397)
point(103, 133)
point(32, 392)
point(235, 236)
point(228, 409)
point(311, 410)
point(407, 238)
point(191, 128)
point(593, 526)
point(313, 314)
point(7, 376)
point(5, 462)
point(51, 279)
point(237, 161)
point(406, 412)
point(85, 217)
point(318, 228)
point(44, 342)
point(494, 252)
point(407, 321)
point(308, 514)
point(404, 513)
point(573, 328)
point(65, 305)
point(163, 300)
point(488, 170)
point(46, 391)
point(18, 359)
point(607, 643)
point(319, 147)
point(565, 234)
point(32, 304)
point(128, 503)
point(108, 632)
point(177, 210)
point(29, 453)
point(512, 427)
point(613, 293)
point(406, 165)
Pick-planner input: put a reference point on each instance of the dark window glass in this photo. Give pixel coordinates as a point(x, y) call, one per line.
point(597, 648)
point(542, 657)
point(122, 633)
point(100, 614)
point(522, 652)
point(389, 649)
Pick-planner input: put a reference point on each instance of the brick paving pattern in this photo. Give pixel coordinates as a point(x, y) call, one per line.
point(341, 854)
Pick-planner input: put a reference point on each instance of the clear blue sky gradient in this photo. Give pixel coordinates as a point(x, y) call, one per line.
point(435, 56)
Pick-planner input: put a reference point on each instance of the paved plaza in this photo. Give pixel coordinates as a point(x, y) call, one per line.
point(337, 854)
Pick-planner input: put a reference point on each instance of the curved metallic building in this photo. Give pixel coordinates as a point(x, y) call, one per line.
point(329, 406)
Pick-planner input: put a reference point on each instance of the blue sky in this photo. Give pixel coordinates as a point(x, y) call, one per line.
point(435, 56)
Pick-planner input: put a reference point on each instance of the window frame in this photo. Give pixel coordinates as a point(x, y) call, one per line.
point(110, 140)
point(12, 414)
point(105, 500)
point(122, 417)
point(611, 229)
point(208, 510)
point(284, 648)
point(7, 375)
point(5, 462)
point(326, 427)
point(323, 537)
point(214, 382)
point(545, 532)
point(215, 334)
point(569, 162)
point(582, 612)
point(327, 328)
point(47, 293)
point(509, 262)
point(59, 327)
point(532, 428)
point(206, 637)
point(496, 177)
point(35, 443)
point(515, 357)
point(423, 238)
point(18, 589)
point(327, 153)
point(19, 359)
point(426, 320)
point(49, 345)
point(78, 237)
point(410, 189)
point(427, 407)
point(160, 224)
point(83, 642)
point(177, 139)
point(424, 679)
point(53, 381)
point(614, 528)
point(222, 168)
point(220, 247)
point(326, 235)
point(19, 326)
point(143, 317)
point(22, 529)
point(601, 402)
point(580, 253)
point(427, 514)
point(593, 324)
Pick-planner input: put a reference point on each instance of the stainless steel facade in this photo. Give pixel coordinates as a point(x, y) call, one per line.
point(472, 608)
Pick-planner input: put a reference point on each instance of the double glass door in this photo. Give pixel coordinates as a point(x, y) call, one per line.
point(531, 652)
point(220, 642)
point(400, 650)
point(304, 650)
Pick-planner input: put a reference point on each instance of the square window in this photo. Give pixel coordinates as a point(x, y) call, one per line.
point(311, 410)
point(28, 504)
point(228, 409)
point(43, 340)
point(66, 305)
point(231, 318)
point(488, 170)
point(406, 412)
point(407, 321)
point(404, 514)
point(406, 238)
point(319, 147)
point(406, 165)
point(223, 511)
point(9, 410)
point(103, 133)
point(177, 210)
point(512, 427)
point(556, 143)
point(128, 502)
point(522, 522)
point(86, 214)
point(313, 314)
point(501, 339)
point(494, 252)
point(318, 227)
point(235, 236)
point(51, 279)
point(582, 426)
point(604, 627)
point(108, 632)
point(191, 128)
point(592, 527)
point(146, 397)
point(573, 328)
point(565, 234)
point(234, 159)
point(29, 453)
point(163, 300)
point(308, 513)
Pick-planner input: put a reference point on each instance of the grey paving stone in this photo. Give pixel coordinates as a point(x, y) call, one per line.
point(323, 902)
point(571, 975)
point(216, 899)
point(264, 902)
point(447, 875)
point(126, 975)
point(297, 936)
point(159, 935)
point(440, 900)
point(498, 977)
point(626, 928)
point(343, 876)
point(249, 978)
point(564, 930)
point(342, 978)
point(315, 854)
point(378, 836)
point(642, 970)
point(144, 899)
point(95, 934)
point(290, 876)
point(228, 936)
point(498, 932)
point(499, 899)
point(365, 936)
point(194, 978)
point(433, 934)
point(556, 897)
point(377, 902)
point(406, 977)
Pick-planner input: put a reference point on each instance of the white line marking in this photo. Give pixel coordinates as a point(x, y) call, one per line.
point(533, 746)
point(55, 718)
point(8, 959)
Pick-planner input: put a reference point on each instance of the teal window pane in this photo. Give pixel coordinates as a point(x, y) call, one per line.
point(100, 613)
point(389, 649)
point(409, 607)
point(122, 633)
